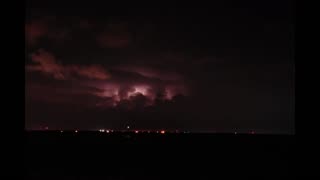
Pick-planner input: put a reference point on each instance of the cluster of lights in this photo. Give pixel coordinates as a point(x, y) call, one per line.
point(251, 132)
point(162, 131)
point(107, 131)
point(149, 131)
point(136, 131)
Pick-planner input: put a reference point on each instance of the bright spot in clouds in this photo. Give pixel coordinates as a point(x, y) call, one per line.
point(139, 89)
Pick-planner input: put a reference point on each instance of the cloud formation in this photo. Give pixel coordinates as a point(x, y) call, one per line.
point(42, 28)
point(46, 63)
point(34, 31)
point(93, 87)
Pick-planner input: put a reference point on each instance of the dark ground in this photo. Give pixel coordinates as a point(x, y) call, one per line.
point(85, 155)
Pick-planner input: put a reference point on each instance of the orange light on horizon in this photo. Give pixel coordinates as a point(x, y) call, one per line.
point(162, 132)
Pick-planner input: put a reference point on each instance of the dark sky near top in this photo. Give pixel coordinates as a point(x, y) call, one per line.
point(221, 67)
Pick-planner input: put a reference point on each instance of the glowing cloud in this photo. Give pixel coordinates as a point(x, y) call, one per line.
point(47, 64)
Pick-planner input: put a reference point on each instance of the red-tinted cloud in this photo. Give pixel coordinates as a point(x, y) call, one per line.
point(46, 27)
point(47, 64)
point(129, 85)
point(92, 71)
point(34, 31)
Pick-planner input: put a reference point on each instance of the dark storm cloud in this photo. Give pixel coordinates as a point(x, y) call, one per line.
point(115, 36)
point(109, 88)
point(85, 24)
point(45, 28)
point(34, 31)
point(70, 94)
point(228, 66)
point(65, 93)
point(150, 72)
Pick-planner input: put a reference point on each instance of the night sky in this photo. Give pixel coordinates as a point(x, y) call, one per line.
point(224, 67)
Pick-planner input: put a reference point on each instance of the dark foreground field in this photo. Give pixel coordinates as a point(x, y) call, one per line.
point(85, 155)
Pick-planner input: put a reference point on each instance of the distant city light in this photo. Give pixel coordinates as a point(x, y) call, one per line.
point(128, 127)
point(162, 132)
point(46, 128)
point(76, 131)
point(136, 131)
point(61, 131)
point(107, 131)
point(102, 130)
point(235, 132)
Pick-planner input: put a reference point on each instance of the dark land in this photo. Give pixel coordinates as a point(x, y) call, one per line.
point(89, 155)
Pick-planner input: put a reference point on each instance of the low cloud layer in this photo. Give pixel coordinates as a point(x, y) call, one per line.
point(46, 63)
point(122, 87)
